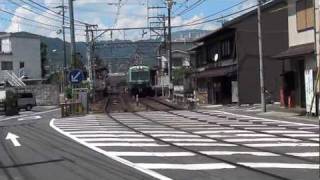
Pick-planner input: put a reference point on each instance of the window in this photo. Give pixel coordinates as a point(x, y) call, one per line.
point(6, 65)
point(21, 65)
point(226, 49)
point(6, 46)
point(305, 14)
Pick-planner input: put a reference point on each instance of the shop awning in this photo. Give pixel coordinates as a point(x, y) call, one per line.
point(217, 72)
point(296, 51)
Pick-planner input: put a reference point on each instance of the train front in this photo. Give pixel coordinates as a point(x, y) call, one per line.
point(139, 81)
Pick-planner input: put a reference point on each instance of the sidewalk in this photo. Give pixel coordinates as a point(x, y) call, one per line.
point(274, 111)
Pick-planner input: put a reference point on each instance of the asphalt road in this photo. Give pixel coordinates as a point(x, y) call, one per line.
point(203, 145)
point(45, 154)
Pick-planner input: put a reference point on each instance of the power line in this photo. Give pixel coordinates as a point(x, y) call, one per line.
point(193, 6)
point(46, 8)
point(30, 10)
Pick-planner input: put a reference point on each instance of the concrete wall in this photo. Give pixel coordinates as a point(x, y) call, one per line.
point(45, 94)
point(297, 38)
point(25, 50)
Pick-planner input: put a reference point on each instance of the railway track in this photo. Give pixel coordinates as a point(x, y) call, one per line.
point(224, 117)
point(158, 106)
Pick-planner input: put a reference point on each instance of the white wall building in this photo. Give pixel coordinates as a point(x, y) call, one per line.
point(20, 53)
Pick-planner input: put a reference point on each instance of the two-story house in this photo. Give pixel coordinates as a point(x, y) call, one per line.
point(299, 60)
point(227, 60)
point(20, 54)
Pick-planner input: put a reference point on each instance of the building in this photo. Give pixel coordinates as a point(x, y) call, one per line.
point(180, 61)
point(20, 54)
point(227, 60)
point(299, 61)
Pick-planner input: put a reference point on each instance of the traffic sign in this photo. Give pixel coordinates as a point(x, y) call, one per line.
point(76, 76)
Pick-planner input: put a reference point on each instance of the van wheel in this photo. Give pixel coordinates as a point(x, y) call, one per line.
point(28, 107)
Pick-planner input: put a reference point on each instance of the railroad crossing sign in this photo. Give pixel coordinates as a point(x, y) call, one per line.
point(76, 76)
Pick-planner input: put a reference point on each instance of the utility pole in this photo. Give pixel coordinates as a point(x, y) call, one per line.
point(170, 4)
point(90, 39)
point(63, 10)
point(262, 86)
point(72, 35)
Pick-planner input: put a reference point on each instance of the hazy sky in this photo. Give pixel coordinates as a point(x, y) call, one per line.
point(132, 13)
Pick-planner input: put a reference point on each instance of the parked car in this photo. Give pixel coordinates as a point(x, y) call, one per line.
point(26, 101)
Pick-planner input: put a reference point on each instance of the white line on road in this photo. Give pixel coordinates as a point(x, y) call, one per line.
point(107, 135)
point(284, 145)
point(280, 165)
point(128, 144)
point(223, 153)
point(188, 140)
point(305, 154)
point(118, 139)
point(38, 113)
point(263, 140)
point(190, 167)
point(156, 154)
point(205, 144)
point(116, 158)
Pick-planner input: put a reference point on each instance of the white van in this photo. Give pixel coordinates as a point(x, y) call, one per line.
point(26, 101)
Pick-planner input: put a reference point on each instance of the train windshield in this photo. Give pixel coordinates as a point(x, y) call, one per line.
point(142, 75)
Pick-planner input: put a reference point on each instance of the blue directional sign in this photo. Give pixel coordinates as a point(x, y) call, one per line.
point(76, 76)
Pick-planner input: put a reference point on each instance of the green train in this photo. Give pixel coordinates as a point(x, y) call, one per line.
point(139, 81)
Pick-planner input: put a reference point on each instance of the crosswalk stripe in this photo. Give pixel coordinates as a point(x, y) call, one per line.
point(191, 167)
point(128, 144)
point(157, 154)
point(280, 165)
point(284, 145)
point(223, 153)
point(263, 140)
point(118, 139)
point(305, 154)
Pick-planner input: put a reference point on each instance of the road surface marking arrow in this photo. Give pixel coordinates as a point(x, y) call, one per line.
point(13, 138)
point(75, 78)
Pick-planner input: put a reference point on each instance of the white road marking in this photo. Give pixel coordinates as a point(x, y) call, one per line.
point(29, 118)
point(156, 154)
point(13, 138)
point(128, 144)
point(107, 135)
point(190, 167)
point(287, 132)
point(280, 165)
point(163, 132)
point(38, 113)
point(103, 132)
point(174, 135)
point(265, 128)
point(263, 140)
point(305, 154)
point(116, 158)
point(302, 135)
point(255, 135)
point(188, 140)
point(117, 139)
point(205, 144)
point(284, 145)
point(223, 153)
point(224, 131)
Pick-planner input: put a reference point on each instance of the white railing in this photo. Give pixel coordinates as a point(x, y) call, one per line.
point(11, 78)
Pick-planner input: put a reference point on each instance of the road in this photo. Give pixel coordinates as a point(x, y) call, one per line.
point(46, 154)
point(203, 145)
point(179, 145)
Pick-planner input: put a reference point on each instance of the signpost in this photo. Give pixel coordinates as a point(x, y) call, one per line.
point(76, 76)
